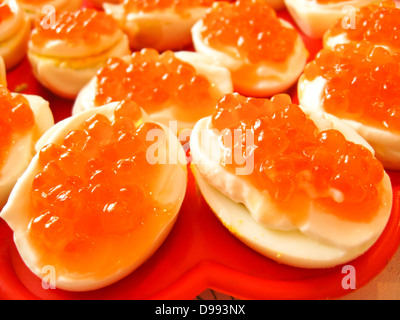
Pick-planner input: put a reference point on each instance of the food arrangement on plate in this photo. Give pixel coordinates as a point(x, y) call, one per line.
point(293, 154)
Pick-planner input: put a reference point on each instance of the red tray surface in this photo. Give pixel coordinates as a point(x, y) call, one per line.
point(199, 253)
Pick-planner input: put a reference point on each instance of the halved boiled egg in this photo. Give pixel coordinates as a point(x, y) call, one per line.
point(172, 86)
point(24, 118)
point(44, 9)
point(377, 23)
point(315, 17)
point(296, 185)
point(358, 82)
point(66, 55)
point(99, 198)
point(162, 25)
point(15, 29)
point(265, 54)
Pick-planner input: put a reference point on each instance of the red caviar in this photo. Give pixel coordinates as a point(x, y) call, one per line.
point(292, 157)
point(5, 12)
point(81, 27)
point(16, 119)
point(252, 28)
point(156, 81)
point(92, 198)
point(179, 6)
point(377, 23)
point(362, 83)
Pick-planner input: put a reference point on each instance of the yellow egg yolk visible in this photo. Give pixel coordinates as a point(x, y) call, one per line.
point(81, 27)
point(92, 204)
point(156, 81)
point(377, 23)
point(362, 83)
point(17, 118)
point(292, 157)
point(252, 28)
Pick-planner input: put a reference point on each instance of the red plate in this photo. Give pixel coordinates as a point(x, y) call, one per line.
point(199, 253)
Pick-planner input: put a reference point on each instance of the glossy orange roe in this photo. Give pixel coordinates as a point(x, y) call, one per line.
point(81, 27)
point(5, 12)
point(179, 6)
point(362, 83)
point(93, 194)
point(292, 157)
point(16, 119)
point(377, 23)
point(252, 28)
point(156, 81)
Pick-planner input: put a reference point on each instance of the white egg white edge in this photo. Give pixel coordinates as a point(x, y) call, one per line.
point(217, 75)
point(64, 80)
point(315, 19)
point(18, 203)
point(270, 79)
point(385, 143)
point(171, 28)
point(14, 37)
point(301, 247)
point(23, 150)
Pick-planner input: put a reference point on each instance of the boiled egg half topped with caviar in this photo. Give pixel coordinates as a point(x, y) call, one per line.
point(99, 198)
point(66, 52)
point(24, 119)
point(315, 17)
point(180, 87)
point(298, 186)
point(358, 82)
point(264, 53)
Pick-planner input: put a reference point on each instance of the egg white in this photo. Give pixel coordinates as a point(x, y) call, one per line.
point(65, 74)
point(160, 29)
point(315, 19)
point(324, 240)
point(219, 76)
point(15, 212)
point(14, 36)
point(385, 143)
point(22, 150)
point(270, 78)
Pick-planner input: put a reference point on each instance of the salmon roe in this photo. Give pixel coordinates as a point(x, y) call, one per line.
point(85, 26)
point(94, 189)
point(291, 156)
point(5, 12)
point(252, 28)
point(180, 6)
point(156, 81)
point(377, 23)
point(362, 83)
point(16, 119)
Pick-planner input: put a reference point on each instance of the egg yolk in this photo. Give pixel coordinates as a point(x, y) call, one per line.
point(377, 23)
point(248, 29)
point(362, 83)
point(92, 203)
point(5, 12)
point(180, 6)
point(156, 81)
point(292, 157)
point(81, 27)
point(16, 120)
